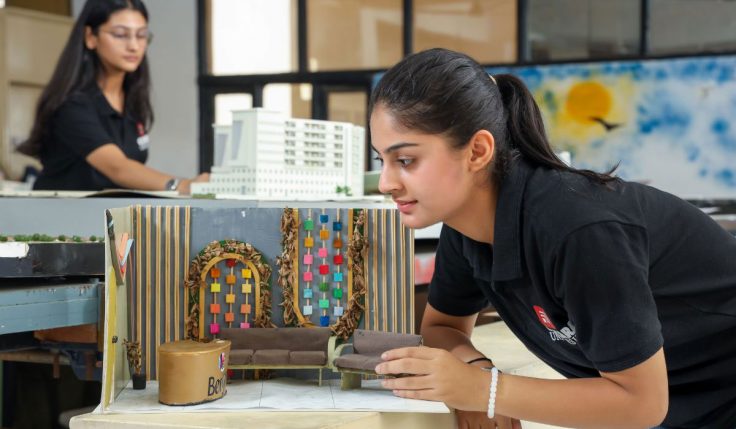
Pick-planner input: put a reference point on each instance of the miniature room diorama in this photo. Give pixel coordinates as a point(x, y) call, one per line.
point(236, 308)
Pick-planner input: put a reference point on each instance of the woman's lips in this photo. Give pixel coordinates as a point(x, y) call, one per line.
point(405, 206)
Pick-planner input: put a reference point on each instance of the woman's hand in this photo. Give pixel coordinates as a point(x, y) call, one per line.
point(185, 185)
point(435, 375)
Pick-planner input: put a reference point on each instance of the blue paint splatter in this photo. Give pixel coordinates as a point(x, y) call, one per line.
point(727, 177)
point(703, 172)
point(692, 153)
point(720, 126)
point(723, 136)
point(533, 77)
point(660, 113)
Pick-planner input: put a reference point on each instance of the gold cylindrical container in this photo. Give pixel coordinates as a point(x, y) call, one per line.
point(191, 373)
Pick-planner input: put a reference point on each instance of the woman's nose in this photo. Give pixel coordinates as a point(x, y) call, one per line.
point(387, 182)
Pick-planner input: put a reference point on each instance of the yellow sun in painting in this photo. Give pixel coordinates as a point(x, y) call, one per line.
point(588, 100)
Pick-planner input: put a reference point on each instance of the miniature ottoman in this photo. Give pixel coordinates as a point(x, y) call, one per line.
point(191, 372)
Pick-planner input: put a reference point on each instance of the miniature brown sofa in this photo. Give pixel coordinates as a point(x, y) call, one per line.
point(280, 348)
point(367, 349)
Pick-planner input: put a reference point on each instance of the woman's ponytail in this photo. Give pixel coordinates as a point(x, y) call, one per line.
point(525, 128)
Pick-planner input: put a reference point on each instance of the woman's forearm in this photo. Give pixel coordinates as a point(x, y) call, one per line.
point(134, 175)
point(584, 403)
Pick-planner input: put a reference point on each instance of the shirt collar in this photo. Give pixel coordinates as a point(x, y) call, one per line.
point(507, 260)
point(101, 102)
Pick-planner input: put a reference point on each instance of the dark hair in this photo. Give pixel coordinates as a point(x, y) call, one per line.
point(77, 70)
point(439, 91)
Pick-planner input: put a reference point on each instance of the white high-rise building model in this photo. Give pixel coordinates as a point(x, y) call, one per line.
point(268, 155)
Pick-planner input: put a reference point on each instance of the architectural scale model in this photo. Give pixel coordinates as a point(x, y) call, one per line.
point(266, 154)
point(287, 288)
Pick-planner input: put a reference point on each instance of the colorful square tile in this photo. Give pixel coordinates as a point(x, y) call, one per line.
point(308, 225)
point(214, 272)
point(308, 293)
point(322, 252)
point(214, 329)
point(230, 298)
point(308, 259)
point(324, 287)
point(337, 277)
point(323, 218)
point(337, 243)
point(214, 287)
point(324, 269)
point(230, 279)
point(308, 241)
point(337, 226)
point(337, 260)
point(324, 303)
point(229, 317)
point(244, 325)
point(245, 308)
point(324, 234)
point(337, 311)
point(308, 276)
point(215, 308)
point(247, 288)
point(324, 321)
point(307, 310)
point(337, 293)
point(245, 272)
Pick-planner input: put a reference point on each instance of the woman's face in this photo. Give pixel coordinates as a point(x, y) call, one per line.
point(428, 179)
point(120, 42)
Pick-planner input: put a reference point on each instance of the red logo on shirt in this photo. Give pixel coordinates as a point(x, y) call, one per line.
point(141, 129)
point(543, 318)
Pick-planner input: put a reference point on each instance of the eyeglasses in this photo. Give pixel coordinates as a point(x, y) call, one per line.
point(124, 36)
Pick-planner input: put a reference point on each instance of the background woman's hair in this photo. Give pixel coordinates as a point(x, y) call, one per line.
point(439, 91)
point(77, 70)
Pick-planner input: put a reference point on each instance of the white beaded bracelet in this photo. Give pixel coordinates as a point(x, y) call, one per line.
point(492, 396)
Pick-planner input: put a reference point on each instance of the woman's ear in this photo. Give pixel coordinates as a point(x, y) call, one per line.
point(90, 39)
point(482, 148)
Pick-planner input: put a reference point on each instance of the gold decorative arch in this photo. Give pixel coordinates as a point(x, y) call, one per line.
point(288, 278)
point(218, 251)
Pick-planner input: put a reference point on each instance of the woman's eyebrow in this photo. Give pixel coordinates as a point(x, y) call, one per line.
point(400, 145)
point(125, 27)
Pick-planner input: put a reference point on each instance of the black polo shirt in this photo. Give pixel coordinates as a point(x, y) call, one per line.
point(598, 279)
point(83, 123)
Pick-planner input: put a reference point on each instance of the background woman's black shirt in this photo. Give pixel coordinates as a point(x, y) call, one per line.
point(82, 124)
point(595, 279)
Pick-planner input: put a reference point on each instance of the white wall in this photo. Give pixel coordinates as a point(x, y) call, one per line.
point(173, 61)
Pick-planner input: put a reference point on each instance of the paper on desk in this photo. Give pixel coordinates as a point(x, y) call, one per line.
point(281, 395)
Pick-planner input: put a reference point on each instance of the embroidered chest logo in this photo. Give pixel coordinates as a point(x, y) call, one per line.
point(567, 333)
point(142, 140)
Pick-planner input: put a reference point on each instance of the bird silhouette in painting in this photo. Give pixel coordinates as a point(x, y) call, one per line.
point(607, 125)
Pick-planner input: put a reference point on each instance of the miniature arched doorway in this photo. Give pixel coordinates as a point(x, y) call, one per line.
point(243, 299)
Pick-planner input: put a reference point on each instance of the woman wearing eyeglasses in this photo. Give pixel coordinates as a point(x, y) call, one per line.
point(93, 118)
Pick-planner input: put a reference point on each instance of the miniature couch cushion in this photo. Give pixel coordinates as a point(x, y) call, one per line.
point(358, 362)
point(375, 343)
point(271, 357)
point(241, 356)
point(308, 339)
point(307, 357)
